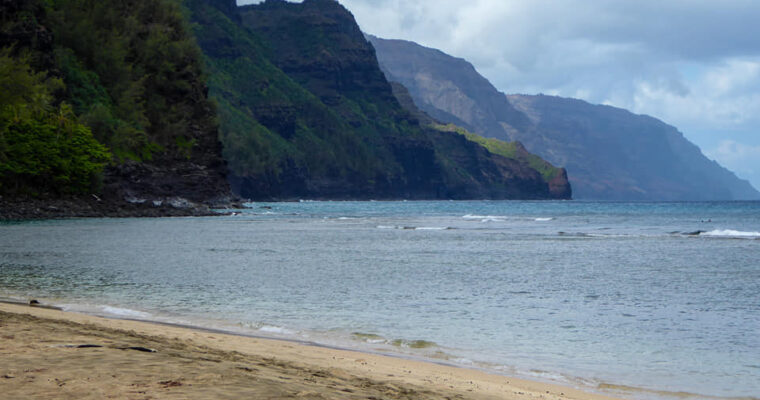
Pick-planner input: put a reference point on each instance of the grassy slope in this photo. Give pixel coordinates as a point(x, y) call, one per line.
point(511, 150)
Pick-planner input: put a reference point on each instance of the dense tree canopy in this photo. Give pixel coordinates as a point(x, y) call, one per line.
point(126, 75)
point(43, 148)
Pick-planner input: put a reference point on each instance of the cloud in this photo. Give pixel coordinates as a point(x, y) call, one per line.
point(686, 29)
point(724, 96)
point(740, 158)
point(730, 151)
point(610, 50)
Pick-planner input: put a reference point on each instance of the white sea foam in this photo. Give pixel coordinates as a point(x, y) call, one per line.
point(471, 216)
point(543, 219)
point(729, 233)
point(125, 312)
point(276, 330)
point(485, 218)
point(462, 361)
point(546, 376)
point(431, 228)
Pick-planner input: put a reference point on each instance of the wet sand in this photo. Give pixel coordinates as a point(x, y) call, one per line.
point(46, 353)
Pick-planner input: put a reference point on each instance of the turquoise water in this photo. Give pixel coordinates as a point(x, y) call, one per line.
point(584, 294)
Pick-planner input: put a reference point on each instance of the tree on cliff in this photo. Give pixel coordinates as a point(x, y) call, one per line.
point(43, 148)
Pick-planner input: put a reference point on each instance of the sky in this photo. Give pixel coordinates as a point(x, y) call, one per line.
point(694, 64)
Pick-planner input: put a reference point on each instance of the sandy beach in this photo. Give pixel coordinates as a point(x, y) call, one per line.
point(46, 353)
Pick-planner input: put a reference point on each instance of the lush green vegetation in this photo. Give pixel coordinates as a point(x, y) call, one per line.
point(132, 72)
point(43, 148)
point(86, 82)
point(511, 150)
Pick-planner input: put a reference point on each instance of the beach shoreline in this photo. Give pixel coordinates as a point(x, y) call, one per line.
point(47, 352)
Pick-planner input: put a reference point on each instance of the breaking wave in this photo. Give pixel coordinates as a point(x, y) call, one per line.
point(729, 233)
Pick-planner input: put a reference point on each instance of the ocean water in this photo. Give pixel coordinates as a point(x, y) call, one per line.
point(640, 300)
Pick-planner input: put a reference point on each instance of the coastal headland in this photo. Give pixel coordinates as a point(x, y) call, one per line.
point(47, 353)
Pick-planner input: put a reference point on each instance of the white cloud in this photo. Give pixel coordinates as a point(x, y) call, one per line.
point(730, 151)
point(724, 96)
point(740, 158)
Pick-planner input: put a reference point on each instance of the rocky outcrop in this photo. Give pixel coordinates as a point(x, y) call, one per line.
point(559, 186)
point(21, 208)
point(196, 183)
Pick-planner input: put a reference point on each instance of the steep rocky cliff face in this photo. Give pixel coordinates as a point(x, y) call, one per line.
point(609, 153)
point(307, 113)
point(319, 45)
point(448, 89)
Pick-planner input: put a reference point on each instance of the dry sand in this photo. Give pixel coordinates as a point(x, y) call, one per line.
point(41, 357)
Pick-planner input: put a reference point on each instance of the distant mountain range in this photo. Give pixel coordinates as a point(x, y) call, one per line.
point(609, 153)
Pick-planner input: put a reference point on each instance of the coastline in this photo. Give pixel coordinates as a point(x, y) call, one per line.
point(91, 206)
point(38, 356)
